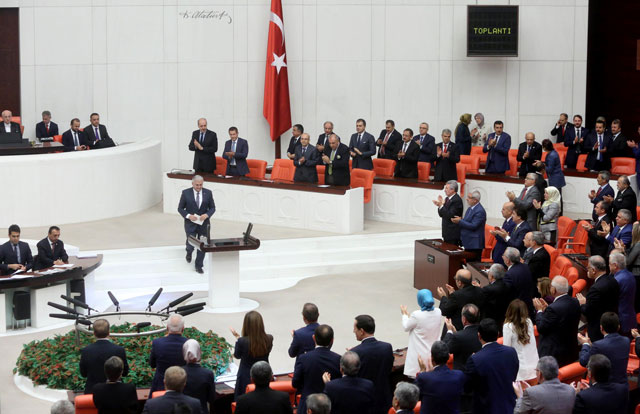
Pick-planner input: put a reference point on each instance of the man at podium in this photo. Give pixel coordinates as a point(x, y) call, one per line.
point(196, 206)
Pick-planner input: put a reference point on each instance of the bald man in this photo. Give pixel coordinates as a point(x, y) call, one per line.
point(528, 153)
point(204, 143)
point(452, 301)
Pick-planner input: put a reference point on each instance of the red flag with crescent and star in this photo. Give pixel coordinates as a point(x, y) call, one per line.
point(276, 107)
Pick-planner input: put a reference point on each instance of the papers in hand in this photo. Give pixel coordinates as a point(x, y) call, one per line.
point(197, 221)
point(64, 266)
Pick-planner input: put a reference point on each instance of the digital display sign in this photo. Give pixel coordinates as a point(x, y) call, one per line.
point(492, 31)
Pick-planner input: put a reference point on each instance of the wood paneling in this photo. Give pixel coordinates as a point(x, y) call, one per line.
point(10, 60)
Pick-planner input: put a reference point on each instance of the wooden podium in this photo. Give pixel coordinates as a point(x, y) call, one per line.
point(224, 268)
point(435, 263)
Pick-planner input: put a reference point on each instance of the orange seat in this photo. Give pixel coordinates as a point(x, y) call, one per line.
point(283, 170)
point(582, 159)
point(18, 120)
point(157, 394)
point(57, 138)
point(571, 373)
point(553, 252)
point(560, 266)
point(384, 168)
point(571, 275)
point(565, 227)
point(623, 166)
point(560, 147)
point(489, 243)
point(471, 162)
point(638, 212)
point(576, 244)
point(320, 169)
point(578, 287)
point(424, 171)
point(257, 169)
point(221, 166)
point(633, 364)
point(416, 409)
point(363, 178)
point(461, 171)
point(513, 163)
point(477, 152)
point(84, 404)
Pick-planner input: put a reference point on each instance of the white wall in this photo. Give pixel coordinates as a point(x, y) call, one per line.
point(151, 73)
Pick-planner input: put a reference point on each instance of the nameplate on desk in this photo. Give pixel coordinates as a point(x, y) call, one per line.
point(431, 258)
point(226, 242)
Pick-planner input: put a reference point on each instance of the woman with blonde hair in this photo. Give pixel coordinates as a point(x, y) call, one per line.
point(462, 134)
point(480, 130)
point(548, 213)
point(518, 334)
point(424, 327)
point(254, 345)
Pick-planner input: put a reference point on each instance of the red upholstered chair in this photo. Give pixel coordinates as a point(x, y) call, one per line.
point(582, 159)
point(257, 169)
point(383, 167)
point(57, 138)
point(489, 243)
point(572, 372)
point(578, 287)
point(571, 275)
point(461, 171)
point(560, 266)
point(513, 163)
point(637, 411)
point(221, 166)
point(84, 404)
point(553, 252)
point(477, 152)
point(283, 170)
point(320, 169)
point(363, 178)
point(623, 166)
point(638, 211)
point(284, 386)
point(560, 147)
point(578, 242)
point(424, 171)
point(471, 162)
point(18, 120)
point(157, 394)
point(565, 227)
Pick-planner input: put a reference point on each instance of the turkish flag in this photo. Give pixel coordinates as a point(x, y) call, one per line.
point(276, 107)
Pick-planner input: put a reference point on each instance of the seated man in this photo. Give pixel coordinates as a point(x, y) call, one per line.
point(235, 152)
point(51, 250)
point(94, 356)
point(174, 380)
point(350, 393)
point(263, 399)
point(303, 338)
point(550, 395)
point(614, 346)
point(114, 396)
point(336, 160)
point(47, 128)
point(8, 126)
point(97, 133)
point(497, 145)
point(74, 139)
point(603, 396)
point(305, 160)
point(440, 387)
point(407, 156)
point(14, 254)
point(405, 398)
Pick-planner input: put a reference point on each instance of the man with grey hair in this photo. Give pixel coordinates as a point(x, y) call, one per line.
point(621, 232)
point(427, 144)
point(518, 278)
point(448, 208)
point(47, 129)
point(175, 379)
point(8, 126)
point(263, 399)
point(604, 189)
point(196, 206)
point(447, 158)
point(472, 226)
point(349, 394)
point(462, 343)
point(536, 256)
point(549, 396)
point(63, 407)
point(525, 200)
point(318, 404)
point(626, 198)
point(167, 351)
point(405, 398)
point(497, 294)
point(558, 323)
point(323, 139)
point(602, 296)
point(204, 143)
point(627, 283)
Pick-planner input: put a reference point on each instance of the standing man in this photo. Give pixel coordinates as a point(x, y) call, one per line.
point(448, 208)
point(15, 254)
point(574, 140)
point(350, 393)
point(625, 199)
point(47, 128)
point(498, 145)
point(598, 243)
point(472, 225)
point(204, 143)
point(93, 356)
point(235, 152)
point(452, 301)
point(561, 128)
point(619, 147)
point(336, 160)
point(497, 295)
point(389, 141)
point(508, 225)
point(549, 395)
point(196, 206)
point(74, 139)
point(305, 161)
point(427, 144)
point(604, 189)
point(407, 154)
point(539, 261)
point(303, 338)
point(8, 126)
point(97, 133)
point(598, 143)
point(515, 238)
point(518, 278)
point(447, 158)
point(323, 139)
point(51, 250)
point(626, 301)
point(294, 142)
point(362, 146)
point(528, 153)
point(525, 200)
point(167, 352)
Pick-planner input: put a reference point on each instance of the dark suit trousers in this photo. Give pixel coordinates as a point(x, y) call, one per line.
point(200, 254)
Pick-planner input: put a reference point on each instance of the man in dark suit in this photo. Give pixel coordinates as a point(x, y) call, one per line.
point(175, 380)
point(427, 144)
point(447, 158)
point(9, 126)
point(626, 198)
point(520, 229)
point(561, 128)
point(540, 261)
point(626, 300)
point(472, 225)
point(492, 371)
point(597, 145)
point(323, 139)
point(94, 356)
point(405, 398)
point(528, 153)
point(97, 133)
point(204, 143)
point(47, 128)
point(622, 230)
point(336, 160)
point(74, 139)
point(604, 189)
point(235, 152)
point(524, 201)
point(603, 396)
point(448, 208)
point(518, 278)
point(303, 338)
point(350, 394)
point(574, 140)
point(114, 396)
point(196, 206)
point(294, 142)
point(407, 154)
point(305, 161)
point(618, 146)
point(362, 147)
point(614, 346)
point(508, 225)
point(558, 323)
point(311, 366)
point(440, 388)
point(376, 361)
point(263, 399)
point(598, 243)
point(167, 352)
point(14, 254)
point(602, 296)
point(498, 145)
point(51, 250)
point(452, 301)
point(497, 295)
point(462, 343)
point(389, 141)
point(549, 396)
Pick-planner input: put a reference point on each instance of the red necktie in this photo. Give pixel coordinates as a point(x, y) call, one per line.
point(445, 147)
point(386, 138)
point(47, 129)
point(524, 192)
point(598, 193)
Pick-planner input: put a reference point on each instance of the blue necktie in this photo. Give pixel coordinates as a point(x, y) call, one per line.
point(17, 251)
point(198, 199)
point(233, 149)
point(97, 135)
point(201, 137)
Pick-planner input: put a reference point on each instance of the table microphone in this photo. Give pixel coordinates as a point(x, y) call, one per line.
point(114, 301)
point(179, 300)
point(191, 306)
point(63, 308)
point(154, 299)
point(78, 303)
point(142, 325)
point(190, 311)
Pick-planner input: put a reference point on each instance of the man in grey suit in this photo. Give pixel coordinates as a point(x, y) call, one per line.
point(306, 158)
point(550, 396)
point(362, 146)
point(525, 200)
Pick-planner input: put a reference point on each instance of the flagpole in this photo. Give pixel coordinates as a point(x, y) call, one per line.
point(278, 150)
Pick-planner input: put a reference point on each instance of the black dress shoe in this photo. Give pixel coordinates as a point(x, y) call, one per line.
point(188, 257)
point(199, 270)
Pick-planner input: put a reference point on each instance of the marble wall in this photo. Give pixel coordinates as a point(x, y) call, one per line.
point(151, 71)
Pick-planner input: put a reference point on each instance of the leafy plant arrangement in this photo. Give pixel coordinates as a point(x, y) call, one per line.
point(54, 362)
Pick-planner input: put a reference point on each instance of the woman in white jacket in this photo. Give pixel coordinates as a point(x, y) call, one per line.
point(424, 327)
point(518, 333)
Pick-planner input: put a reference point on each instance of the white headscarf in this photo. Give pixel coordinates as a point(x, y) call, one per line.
point(191, 351)
point(554, 196)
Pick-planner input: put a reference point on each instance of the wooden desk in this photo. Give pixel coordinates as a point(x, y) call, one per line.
point(479, 272)
point(39, 148)
point(436, 263)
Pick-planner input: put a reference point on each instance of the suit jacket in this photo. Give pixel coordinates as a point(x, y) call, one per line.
point(497, 297)
point(472, 227)
point(602, 398)
point(554, 170)
point(264, 400)
point(618, 146)
point(539, 264)
point(525, 201)
point(558, 328)
point(204, 160)
point(8, 256)
point(302, 340)
point(69, 144)
point(446, 167)
point(92, 359)
point(187, 205)
point(602, 296)
point(615, 347)
point(575, 149)
point(165, 352)
point(501, 244)
point(323, 139)
point(407, 166)
point(626, 311)
point(607, 190)
point(15, 127)
point(46, 256)
point(200, 385)
point(350, 395)
point(393, 144)
point(592, 162)
point(306, 172)
point(561, 133)
point(340, 170)
point(450, 230)
point(462, 344)
point(440, 390)
point(376, 362)
point(293, 143)
point(240, 156)
point(491, 372)
point(625, 200)
point(427, 148)
point(165, 403)
point(535, 154)
point(368, 148)
point(516, 238)
point(498, 158)
point(598, 245)
point(519, 280)
point(451, 306)
point(623, 234)
point(307, 374)
point(105, 140)
point(115, 398)
point(41, 129)
point(550, 397)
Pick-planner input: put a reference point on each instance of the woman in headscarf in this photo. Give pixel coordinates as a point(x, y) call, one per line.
point(480, 130)
point(424, 327)
point(463, 137)
point(200, 380)
point(548, 213)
